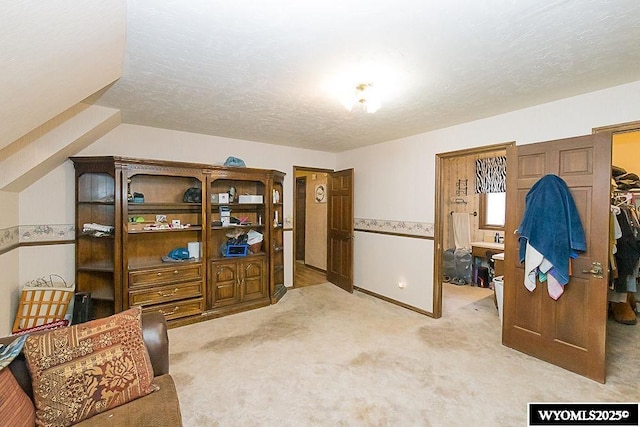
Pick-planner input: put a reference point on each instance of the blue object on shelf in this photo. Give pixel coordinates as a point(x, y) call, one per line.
point(235, 162)
point(179, 254)
point(236, 250)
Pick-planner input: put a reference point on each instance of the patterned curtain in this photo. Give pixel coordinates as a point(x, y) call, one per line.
point(491, 175)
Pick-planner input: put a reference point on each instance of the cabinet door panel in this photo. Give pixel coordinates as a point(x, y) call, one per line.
point(253, 280)
point(225, 283)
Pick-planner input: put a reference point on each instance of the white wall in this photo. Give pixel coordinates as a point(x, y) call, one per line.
point(49, 201)
point(54, 54)
point(9, 277)
point(395, 180)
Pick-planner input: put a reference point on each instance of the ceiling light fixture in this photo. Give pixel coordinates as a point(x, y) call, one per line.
point(365, 96)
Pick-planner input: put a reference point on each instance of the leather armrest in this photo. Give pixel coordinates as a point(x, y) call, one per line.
point(154, 331)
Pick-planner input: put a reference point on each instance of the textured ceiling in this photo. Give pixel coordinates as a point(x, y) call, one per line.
point(272, 71)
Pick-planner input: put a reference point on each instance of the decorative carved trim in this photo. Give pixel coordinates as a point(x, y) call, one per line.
point(399, 228)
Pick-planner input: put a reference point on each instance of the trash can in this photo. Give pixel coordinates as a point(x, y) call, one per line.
point(482, 279)
point(498, 286)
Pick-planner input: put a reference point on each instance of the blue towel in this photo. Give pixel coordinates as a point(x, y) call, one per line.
point(551, 224)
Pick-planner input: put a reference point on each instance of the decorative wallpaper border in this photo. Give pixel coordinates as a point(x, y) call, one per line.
point(9, 238)
point(405, 228)
point(46, 233)
point(35, 234)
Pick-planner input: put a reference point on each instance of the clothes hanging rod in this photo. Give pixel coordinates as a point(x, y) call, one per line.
point(474, 213)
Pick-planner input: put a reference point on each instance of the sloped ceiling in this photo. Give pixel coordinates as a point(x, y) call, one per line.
point(53, 54)
point(275, 71)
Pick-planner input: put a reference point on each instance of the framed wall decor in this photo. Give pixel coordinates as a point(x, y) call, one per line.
point(321, 193)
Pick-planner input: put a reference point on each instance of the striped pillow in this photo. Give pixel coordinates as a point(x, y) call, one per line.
point(16, 409)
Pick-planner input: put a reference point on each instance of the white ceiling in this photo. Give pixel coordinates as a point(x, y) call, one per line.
point(268, 70)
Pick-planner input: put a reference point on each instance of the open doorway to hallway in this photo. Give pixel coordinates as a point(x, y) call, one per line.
point(310, 226)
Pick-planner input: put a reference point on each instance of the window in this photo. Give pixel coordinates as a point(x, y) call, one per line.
point(492, 210)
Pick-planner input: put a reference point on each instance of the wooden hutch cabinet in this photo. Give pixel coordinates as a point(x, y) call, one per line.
point(131, 213)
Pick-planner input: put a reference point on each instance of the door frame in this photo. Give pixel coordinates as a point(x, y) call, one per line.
point(440, 210)
point(619, 128)
point(295, 202)
point(300, 227)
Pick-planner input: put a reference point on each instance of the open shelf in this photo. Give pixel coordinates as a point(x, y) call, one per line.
point(144, 263)
point(97, 202)
point(229, 227)
point(239, 206)
point(105, 266)
point(227, 258)
point(161, 207)
point(167, 230)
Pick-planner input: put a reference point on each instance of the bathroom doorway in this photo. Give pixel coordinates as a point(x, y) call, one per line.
point(456, 199)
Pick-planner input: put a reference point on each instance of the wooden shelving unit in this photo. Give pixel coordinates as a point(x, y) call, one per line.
point(126, 267)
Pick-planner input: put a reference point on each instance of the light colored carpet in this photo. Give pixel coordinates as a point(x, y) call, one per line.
point(323, 357)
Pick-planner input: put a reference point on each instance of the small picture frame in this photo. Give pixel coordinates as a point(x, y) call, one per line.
point(161, 218)
point(175, 223)
point(320, 195)
point(223, 197)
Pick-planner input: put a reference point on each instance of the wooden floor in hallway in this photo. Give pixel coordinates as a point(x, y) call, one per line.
point(307, 276)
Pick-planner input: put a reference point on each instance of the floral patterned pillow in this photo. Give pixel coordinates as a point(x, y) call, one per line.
point(85, 369)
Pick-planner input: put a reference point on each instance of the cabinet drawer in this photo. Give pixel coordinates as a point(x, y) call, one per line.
point(173, 274)
point(178, 309)
point(162, 294)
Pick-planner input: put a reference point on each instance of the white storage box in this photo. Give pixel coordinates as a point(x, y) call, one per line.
point(250, 198)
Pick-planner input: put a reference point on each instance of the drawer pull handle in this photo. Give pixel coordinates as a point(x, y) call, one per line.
point(170, 294)
point(175, 271)
point(159, 274)
point(169, 313)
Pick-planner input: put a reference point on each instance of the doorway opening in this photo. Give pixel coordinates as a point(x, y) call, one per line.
point(625, 200)
point(457, 201)
point(310, 226)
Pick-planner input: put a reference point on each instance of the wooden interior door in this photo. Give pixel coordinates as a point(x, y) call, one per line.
point(301, 222)
point(340, 230)
point(571, 331)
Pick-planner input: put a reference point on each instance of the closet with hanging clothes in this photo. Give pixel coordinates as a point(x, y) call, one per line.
point(624, 265)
